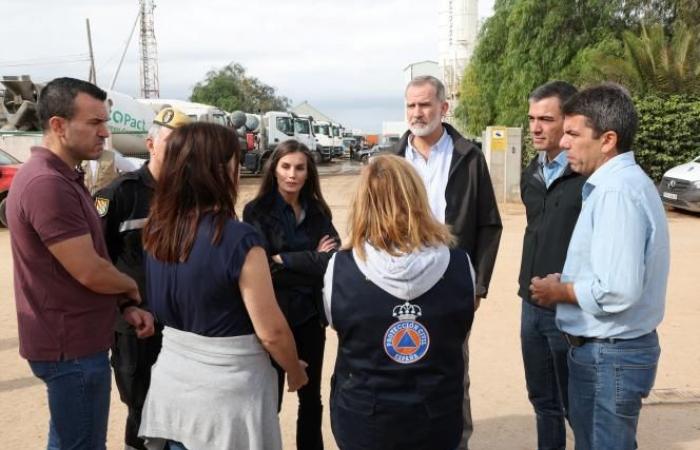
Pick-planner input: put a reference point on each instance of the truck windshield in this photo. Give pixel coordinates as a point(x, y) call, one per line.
point(284, 124)
point(220, 119)
point(323, 129)
point(301, 126)
point(336, 132)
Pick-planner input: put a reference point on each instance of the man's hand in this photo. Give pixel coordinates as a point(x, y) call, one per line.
point(297, 380)
point(550, 290)
point(141, 320)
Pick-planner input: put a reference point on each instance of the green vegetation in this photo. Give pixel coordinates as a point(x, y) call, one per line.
point(654, 63)
point(669, 132)
point(650, 46)
point(230, 89)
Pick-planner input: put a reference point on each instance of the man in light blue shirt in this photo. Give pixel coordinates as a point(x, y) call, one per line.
point(610, 296)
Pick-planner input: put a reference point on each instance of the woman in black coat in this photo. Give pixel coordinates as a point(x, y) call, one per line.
point(295, 223)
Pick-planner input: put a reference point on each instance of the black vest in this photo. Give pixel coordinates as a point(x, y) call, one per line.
point(366, 376)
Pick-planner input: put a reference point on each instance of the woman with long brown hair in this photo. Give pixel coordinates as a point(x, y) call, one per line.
point(208, 283)
point(295, 222)
point(402, 302)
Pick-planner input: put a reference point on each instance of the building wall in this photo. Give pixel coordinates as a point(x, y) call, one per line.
point(422, 68)
point(459, 28)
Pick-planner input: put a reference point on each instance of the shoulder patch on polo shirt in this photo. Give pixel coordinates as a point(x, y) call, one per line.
point(102, 206)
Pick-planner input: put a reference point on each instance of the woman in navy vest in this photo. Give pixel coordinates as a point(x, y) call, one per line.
point(402, 303)
point(295, 223)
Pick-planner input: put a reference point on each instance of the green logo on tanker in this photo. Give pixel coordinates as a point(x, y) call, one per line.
point(120, 120)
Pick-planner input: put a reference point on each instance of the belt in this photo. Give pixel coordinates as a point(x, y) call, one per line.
point(577, 341)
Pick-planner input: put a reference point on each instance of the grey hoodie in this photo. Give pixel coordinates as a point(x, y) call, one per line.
point(406, 277)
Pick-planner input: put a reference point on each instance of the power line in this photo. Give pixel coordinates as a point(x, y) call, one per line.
point(46, 63)
point(31, 61)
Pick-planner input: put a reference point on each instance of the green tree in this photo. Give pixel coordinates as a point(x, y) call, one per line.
point(528, 42)
point(524, 44)
point(654, 63)
point(230, 89)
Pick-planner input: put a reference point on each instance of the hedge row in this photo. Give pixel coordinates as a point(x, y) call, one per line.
point(669, 133)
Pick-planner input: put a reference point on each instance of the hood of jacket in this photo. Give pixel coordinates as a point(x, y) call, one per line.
point(407, 276)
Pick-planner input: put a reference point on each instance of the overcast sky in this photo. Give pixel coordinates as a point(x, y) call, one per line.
point(343, 56)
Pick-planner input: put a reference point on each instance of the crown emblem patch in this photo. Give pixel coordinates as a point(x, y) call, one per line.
point(407, 340)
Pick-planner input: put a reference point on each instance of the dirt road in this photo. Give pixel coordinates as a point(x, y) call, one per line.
point(502, 415)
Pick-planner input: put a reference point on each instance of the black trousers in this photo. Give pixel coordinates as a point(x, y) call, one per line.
point(132, 359)
point(310, 338)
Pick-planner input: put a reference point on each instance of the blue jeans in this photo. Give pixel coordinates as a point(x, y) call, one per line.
point(78, 391)
point(546, 374)
point(607, 382)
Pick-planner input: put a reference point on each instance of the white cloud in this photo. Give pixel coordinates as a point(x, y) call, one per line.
point(346, 57)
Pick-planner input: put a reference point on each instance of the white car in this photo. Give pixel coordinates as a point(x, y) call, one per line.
point(680, 186)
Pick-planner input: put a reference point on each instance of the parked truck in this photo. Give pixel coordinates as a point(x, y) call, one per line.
point(304, 133)
point(128, 123)
point(198, 112)
point(337, 130)
point(324, 134)
point(264, 132)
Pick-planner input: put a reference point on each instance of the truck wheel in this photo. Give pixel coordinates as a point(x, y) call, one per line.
point(3, 218)
point(263, 162)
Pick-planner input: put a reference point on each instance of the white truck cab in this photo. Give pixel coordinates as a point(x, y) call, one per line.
point(304, 133)
point(324, 134)
point(337, 139)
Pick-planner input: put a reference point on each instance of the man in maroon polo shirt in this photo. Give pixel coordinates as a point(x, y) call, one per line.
point(66, 290)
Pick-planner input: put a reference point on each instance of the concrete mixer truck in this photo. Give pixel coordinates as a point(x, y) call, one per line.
point(261, 134)
point(130, 118)
point(20, 128)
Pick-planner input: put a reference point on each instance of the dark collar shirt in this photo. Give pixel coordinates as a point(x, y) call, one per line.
point(58, 318)
point(297, 239)
point(201, 295)
point(294, 230)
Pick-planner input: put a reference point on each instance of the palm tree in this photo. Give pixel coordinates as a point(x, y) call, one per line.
point(655, 63)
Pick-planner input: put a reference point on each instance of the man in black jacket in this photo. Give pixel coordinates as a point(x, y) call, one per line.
point(551, 193)
point(459, 190)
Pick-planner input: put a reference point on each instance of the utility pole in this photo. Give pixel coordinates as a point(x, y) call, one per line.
point(92, 77)
point(126, 48)
point(148, 52)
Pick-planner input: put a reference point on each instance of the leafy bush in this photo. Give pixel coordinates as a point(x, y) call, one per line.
point(669, 132)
